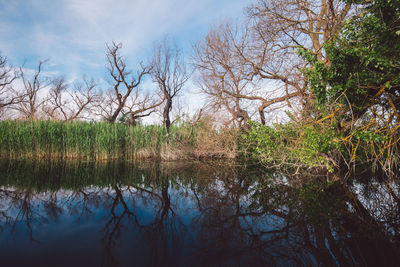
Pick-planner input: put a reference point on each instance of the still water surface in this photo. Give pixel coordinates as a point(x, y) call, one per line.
point(190, 214)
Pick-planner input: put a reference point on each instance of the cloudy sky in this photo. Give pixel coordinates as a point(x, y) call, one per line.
point(72, 33)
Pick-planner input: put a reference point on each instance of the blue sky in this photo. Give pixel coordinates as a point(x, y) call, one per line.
point(72, 33)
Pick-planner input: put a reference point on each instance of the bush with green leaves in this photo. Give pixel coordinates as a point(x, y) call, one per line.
point(361, 76)
point(291, 145)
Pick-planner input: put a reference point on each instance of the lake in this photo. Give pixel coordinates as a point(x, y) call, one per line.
point(71, 213)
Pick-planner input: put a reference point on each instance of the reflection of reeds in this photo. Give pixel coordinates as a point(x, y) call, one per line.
point(77, 174)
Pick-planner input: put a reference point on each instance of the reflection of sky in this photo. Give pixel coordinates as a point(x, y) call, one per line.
point(73, 233)
point(65, 233)
point(377, 199)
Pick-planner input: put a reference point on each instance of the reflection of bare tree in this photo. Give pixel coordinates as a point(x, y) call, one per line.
point(289, 225)
point(17, 207)
point(112, 228)
point(28, 207)
point(158, 235)
point(238, 216)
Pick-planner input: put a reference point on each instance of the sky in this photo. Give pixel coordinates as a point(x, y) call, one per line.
point(72, 34)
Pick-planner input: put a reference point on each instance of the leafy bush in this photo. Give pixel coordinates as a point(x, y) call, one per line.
point(291, 144)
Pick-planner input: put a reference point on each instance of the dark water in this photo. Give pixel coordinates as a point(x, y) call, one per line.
point(148, 214)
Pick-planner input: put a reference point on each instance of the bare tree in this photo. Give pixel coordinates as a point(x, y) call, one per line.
point(299, 23)
point(124, 84)
point(222, 76)
point(32, 102)
point(170, 74)
point(229, 80)
point(55, 103)
point(8, 75)
point(278, 29)
point(259, 61)
point(142, 105)
point(85, 96)
point(71, 104)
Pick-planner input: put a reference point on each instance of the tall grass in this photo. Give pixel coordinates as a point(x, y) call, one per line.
point(87, 140)
point(102, 141)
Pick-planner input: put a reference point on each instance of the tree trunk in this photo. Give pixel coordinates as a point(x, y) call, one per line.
point(262, 115)
point(167, 109)
point(115, 114)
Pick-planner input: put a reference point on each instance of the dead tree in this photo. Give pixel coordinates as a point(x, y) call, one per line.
point(124, 83)
point(8, 95)
point(55, 103)
point(222, 77)
point(142, 105)
point(290, 24)
point(258, 61)
point(68, 103)
point(277, 30)
point(32, 102)
point(170, 74)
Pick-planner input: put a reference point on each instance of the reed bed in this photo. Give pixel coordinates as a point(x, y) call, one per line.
point(90, 140)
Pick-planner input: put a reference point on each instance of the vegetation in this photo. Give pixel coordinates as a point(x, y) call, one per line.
point(328, 72)
point(354, 92)
point(101, 140)
point(360, 87)
point(309, 89)
point(292, 147)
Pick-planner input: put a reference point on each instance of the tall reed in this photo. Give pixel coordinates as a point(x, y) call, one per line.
point(88, 140)
point(102, 141)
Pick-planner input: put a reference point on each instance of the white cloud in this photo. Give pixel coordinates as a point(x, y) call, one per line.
point(72, 33)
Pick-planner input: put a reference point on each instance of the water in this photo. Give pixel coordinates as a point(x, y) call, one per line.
point(190, 214)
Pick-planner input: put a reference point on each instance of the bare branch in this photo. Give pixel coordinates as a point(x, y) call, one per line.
point(8, 95)
point(123, 81)
point(170, 74)
point(32, 102)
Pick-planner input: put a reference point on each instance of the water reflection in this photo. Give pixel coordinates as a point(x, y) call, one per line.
point(151, 214)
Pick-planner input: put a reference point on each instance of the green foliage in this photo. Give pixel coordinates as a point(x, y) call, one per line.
point(361, 75)
point(356, 93)
point(362, 59)
point(316, 143)
point(316, 75)
point(367, 136)
point(291, 144)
